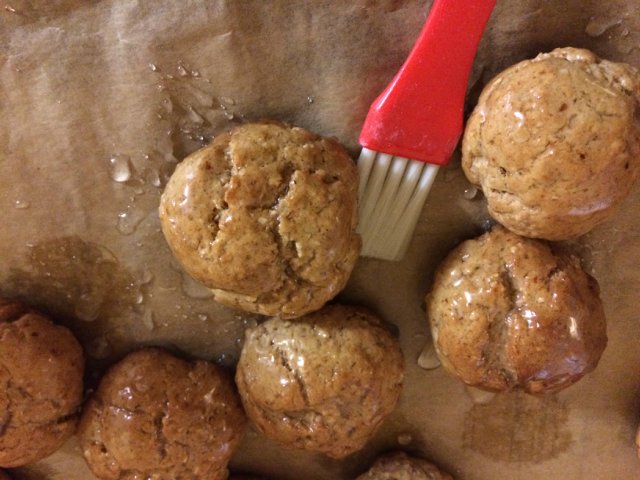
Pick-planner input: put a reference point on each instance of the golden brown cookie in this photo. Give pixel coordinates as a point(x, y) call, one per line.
point(324, 382)
point(400, 466)
point(511, 312)
point(554, 142)
point(41, 370)
point(265, 217)
point(156, 415)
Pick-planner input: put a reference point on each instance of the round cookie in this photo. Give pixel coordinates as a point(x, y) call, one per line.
point(554, 143)
point(511, 312)
point(324, 382)
point(400, 466)
point(42, 366)
point(156, 415)
point(265, 216)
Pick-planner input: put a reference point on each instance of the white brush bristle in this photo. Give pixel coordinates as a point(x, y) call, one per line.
point(391, 195)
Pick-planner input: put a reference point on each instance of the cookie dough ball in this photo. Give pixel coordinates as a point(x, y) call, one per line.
point(265, 217)
point(554, 143)
point(324, 382)
point(511, 312)
point(157, 416)
point(400, 466)
point(41, 384)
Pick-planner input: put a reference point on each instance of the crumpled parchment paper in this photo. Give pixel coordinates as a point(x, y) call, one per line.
point(99, 99)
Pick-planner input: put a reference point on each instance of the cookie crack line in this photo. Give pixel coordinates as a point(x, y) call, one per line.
point(498, 329)
point(217, 217)
point(490, 355)
point(159, 431)
point(275, 207)
point(296, 376)
point(508, 281)
point(288, 270)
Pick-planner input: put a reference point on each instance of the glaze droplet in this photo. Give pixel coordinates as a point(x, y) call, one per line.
point(428, 359)
point(470, 192)
point(120, 166)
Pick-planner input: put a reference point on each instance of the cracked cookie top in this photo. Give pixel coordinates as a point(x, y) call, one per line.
point(324, 382)
point(554, 142)
point(510, 312)
point(157, 416)
point(265, 217)
point(41, 370)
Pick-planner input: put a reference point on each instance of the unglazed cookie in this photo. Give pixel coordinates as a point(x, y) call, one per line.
point(41, 378)
point(511, 312)
point(554, 142)
point(400, 466)
point(265, 217)
point(157, 416)
point(324, 382)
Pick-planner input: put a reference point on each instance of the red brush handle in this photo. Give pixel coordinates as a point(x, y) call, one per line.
point(419, 114)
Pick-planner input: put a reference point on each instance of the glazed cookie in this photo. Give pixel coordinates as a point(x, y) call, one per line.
point(157, 416)
point(554, 143)
point(324, 382)
point(41, 376)
point(265, 217)
point(511, 312)
point(400, 466)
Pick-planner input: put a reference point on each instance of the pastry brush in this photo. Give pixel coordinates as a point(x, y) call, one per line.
point(413, 127)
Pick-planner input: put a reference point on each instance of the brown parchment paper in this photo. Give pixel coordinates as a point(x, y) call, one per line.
point(99, 99)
